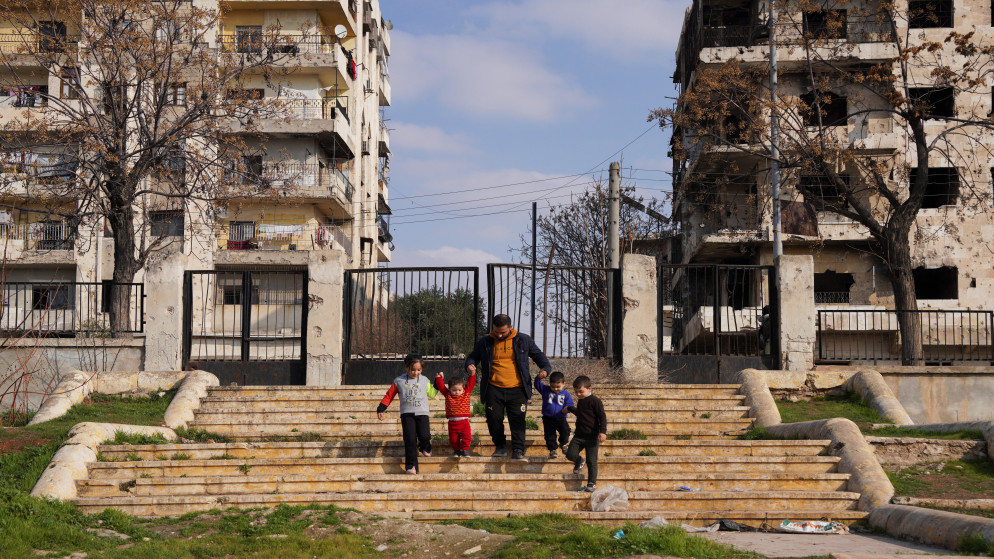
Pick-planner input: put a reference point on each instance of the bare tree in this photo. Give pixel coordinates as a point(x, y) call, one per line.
point(141, 113)
point(874, 139)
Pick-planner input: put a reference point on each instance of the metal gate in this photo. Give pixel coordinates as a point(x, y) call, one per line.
point(577, 310)
point(390, 312)
point(714, 319)
point(246, 326)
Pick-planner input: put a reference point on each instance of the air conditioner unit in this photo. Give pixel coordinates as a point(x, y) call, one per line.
point(369, 85)
point(365, 147)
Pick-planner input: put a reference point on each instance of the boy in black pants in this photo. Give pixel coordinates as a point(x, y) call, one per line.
point(555, 400)
point(591, 430)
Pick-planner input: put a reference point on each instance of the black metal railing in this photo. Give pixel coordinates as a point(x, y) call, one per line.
point(302, 176)
point(577, 309)
point(33, 43)
point(718, 310)
point(245, 315)
point(79, 309)
point(832, 298)
point(945, 336)
point(434, 312)
point(284, 43)
point(41, 235)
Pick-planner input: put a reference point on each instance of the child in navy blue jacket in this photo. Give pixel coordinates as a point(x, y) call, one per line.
point(554, 402)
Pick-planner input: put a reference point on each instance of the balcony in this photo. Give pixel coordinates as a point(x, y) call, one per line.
point(252, 236)
point(327, 118)
point(384, 87)
point(384, 145)
point(332, 12)
point(317, 51)
point(320, 181)
point(21, 49)
point(38, 243)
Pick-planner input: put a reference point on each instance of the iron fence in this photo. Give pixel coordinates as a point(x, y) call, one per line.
point(245, 315)
point(946, 336)
point(576, 311)
point(68, 308)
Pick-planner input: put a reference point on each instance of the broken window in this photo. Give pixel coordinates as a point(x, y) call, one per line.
point(168, 223)
point(936, 283)
point(942, 188)
point(822, 188)
point(832, 288)
point(825, 24)
point(834, 108)
point(935, 102)
point(930, 13)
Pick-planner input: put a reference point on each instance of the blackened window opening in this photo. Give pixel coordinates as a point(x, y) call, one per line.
point(834, 108)
point(823, 189)
point(936, 283)
point(935, 102)
point(930, 13)
point(825, 24)
point(942, 188)
point(832, 287)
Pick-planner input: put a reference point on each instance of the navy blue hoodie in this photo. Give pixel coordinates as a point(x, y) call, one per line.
point(553, 405)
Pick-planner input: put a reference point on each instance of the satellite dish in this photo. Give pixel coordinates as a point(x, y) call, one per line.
point(341, 32)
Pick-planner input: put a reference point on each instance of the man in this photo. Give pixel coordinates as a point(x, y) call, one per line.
point(505, 383)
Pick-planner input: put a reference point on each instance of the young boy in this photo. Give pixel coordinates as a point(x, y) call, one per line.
point(457, 411)
point(591, 430)
point(554, 403)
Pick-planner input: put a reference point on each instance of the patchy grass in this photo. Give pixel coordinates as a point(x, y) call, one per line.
point(553, 535)
point(758, 433)
point(916, 433)
point(850, 406)
point(201, 436)
point(976, 544)
point(647, 452)
point(626, 435)
point(121, 437)
point(985, 513)
point(531, 424)
point(479, 409)
point(957, 479)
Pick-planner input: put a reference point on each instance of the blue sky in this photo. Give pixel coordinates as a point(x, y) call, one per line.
point(487, 94)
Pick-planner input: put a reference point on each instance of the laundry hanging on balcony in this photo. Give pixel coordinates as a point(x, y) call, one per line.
point(279, 232)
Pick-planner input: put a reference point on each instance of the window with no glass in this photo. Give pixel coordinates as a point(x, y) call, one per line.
point(936, 283)
point(930, 13)
point(935, 102)
point(942, 188)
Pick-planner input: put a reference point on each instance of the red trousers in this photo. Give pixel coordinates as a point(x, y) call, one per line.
point(460, 434)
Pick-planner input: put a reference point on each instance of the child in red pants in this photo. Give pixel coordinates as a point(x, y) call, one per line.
point(457, 411)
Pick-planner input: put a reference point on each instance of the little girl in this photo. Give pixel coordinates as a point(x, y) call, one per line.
point(414, 390)
point(457, 411)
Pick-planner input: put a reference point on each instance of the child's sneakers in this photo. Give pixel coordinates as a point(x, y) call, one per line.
point(589, 488)
point(412, 471)
point(579, 467)
point(460, 454)
point(426, 453)
point(553, 454)
point(564, 447)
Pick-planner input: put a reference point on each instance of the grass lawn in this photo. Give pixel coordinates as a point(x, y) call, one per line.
point(956, 479)
point(916, 433)
point(850, 406)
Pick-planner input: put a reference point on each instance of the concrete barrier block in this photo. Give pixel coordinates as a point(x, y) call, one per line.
point(153, 381)
point(70, 391)
point(823, 380)
point(187, 399)
point(756, 390)
point(871, 386)
point(930, 526)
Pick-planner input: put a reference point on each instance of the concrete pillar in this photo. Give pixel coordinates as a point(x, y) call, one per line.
point(639, 345)
point(325, 292)
point(797, 312)
point(164, 311)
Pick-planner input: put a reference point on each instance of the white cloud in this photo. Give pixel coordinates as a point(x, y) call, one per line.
point(483, 76)
point(622, 28)
point(414, 137)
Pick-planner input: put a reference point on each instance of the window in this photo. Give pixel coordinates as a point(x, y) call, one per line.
point(942, 188)
point(115, 99)
point(51, 36)
point(52, 297)
point(936, 283)
point(176, 94)
point(70, 88)
point(822, 188)
point(248, 39)
point(825, 24)
point(930, 13)
point(832, 288)
point(935, 102)
point(834, 108)
point(166, 223)
point(245, 94)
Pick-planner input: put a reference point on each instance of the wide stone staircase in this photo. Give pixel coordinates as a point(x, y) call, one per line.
point(300, 445)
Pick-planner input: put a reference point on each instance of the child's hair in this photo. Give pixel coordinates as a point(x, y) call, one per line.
point(556, 376)
point(411, 359)
point(457, 380)
point(581, 381)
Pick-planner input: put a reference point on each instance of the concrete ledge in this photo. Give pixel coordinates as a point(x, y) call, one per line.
point(194, 387)
point(866, 476)
point(871, 386)
point(906, 452)
point(755, 387)
point(114, 382)
point(70, 391)
point(969, 504)
point(58, 481)
point(985, 427)
point(929, 526)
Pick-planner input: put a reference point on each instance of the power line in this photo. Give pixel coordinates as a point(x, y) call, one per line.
point(490, 187)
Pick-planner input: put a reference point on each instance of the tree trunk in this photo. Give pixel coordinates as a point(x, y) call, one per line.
point(125, 267)
point(898, 251)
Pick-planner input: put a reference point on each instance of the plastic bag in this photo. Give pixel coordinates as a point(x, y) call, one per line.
point(813, 527)
point(654, 522)
point(609, 498)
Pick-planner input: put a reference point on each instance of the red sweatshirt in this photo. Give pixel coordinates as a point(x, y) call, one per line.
point(457, 407)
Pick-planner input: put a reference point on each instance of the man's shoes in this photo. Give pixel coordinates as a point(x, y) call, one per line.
point(500, 452)
point(579, 467)
point(518, 456)
point(553, 454)
point(589, 488)
point(563, 447)
point(412, 471)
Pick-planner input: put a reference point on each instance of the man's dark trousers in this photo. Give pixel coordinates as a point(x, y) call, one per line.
point(515, 403)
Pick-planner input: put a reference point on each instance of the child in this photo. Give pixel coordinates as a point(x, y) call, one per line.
point(457, 411)
point(554, 403)
point(414, 391)
point(591, 430)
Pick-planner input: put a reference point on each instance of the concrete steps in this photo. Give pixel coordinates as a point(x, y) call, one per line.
point(348, 458)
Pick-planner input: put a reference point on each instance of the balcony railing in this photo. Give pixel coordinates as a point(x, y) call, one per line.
point(266, 236)
point(252, 43)
point(383, 228)
point(33, 43)
point(324, 109)
point(41, 236)
point(25, 97)
point(299, 175)
point(67, 308)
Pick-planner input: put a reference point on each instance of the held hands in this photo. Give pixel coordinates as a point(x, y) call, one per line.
point(601, 437)
point(440, 375)
point(471, 369)
point(542, 374)
point(379, 415)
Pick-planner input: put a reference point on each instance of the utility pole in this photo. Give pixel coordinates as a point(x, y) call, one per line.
point(534, 256)
point(614, 251)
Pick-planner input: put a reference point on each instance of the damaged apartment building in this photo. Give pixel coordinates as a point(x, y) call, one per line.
point(229, 284)
point(722, 190)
